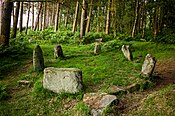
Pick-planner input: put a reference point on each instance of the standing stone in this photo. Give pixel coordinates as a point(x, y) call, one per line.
point(97, 48)
point(148, 66)
point(58, 52)
point(38, 60)
point(99, 102)
point(60, 80)
point(127, 52)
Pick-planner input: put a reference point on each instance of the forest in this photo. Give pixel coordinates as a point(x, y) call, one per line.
point(109, 43)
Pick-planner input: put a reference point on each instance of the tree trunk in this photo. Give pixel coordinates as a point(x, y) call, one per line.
point(83, 19)
point(98, 16)
point(143, 20)
point(33, 14)
point(45, 14)
point(108, 17)
point(53, 15)
point(28, 16)
point(57, 18)
point(21, 17)
point(66, 18)
point(41, 20)
point(37, 18)
point(15, 21)
point(136, 17)
point(5, 19)
point(89, 17)
point(76, 17)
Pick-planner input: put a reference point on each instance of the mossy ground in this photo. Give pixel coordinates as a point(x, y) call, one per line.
point(99, 72)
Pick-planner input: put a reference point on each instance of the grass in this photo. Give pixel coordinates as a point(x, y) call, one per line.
point(99, 72)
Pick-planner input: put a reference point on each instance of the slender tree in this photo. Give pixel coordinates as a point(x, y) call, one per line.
point(37, 18)
point(108, 17)
point(89, 17)
point(76, 17)
point(33, 14)
point(15, 21)
point(28, 16)
point(57, 17)
point(136, 18)
point(83, 19)
point(21, 17)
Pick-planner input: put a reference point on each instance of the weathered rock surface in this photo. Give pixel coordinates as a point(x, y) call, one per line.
point(97, 48)
point(132, 88)
point(99, 102)
point(127, 52)
point(38, 60)
point(60, 80)
point(148, 66)
point(58, 52)
point(116, 90)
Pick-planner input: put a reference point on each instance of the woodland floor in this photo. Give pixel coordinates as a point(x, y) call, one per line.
point(164, 76)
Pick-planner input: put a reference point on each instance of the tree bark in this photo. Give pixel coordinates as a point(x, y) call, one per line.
point(76, 17)
point(66, 18)
point(15, 21)
point(45, 16)
point(5, 19)
point(41, 20)
point(37, 18)
point(28, 16)
point(83, 19)
point(57, 17)
point(21, 17)
point(33, 16)
point(98, 16)
point(53, 15)
point(136, 17)
point(108, 17)
point(89, 17)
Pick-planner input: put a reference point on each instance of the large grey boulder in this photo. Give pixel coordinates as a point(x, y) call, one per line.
point(58, 52)
point(60, 80)
point(127, 52)
point(148, 66)
point(97, 48)
point(38, 60)
point(98, 102)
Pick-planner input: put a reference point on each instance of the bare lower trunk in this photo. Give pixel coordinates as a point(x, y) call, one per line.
point(15, 21)
point(98, 15)
point(28, 16)
point(45, 14)
point(33, 16)
point(108, 17)
point(66, 18)
point(89, 17)
point(76, 17)
point(57, 18)
point(135, 20)
point(5, 19)
point(37, 18)
point(53, 15)
point(21, 17)
point(83, 19)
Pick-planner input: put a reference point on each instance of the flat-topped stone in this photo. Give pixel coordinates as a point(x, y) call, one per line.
point(60, 80)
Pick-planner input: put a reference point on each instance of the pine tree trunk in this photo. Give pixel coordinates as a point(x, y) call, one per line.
point(98, 16)
point(37, 18)
point(53, 15)
point(45, 14)
point(57, 17)
point(143, 20)
point(33, 14)
point(83, 19)
point(66, 18)
point(76, 17)
point(5, 19)
point(136, 17)
point(108, 17)
point(41, 20)
point(28, 16)
point(15, 21)
point(21, 17)
point(89, 17)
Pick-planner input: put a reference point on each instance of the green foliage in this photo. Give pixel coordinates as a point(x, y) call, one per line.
point(82, 109)
point(3, 92)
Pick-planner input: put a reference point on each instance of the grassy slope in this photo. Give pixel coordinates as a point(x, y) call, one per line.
point(99, 72)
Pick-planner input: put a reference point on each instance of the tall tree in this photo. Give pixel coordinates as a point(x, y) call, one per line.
point(83, 19)
point(28, 16)
point(53, 15)
point(15, 21)
point(33, 15)
point(89, 17)
point(37, 18)
point(57, 17)
point(98, 16)
point(21, 17)
point(136, 18)
point(66, 18)
point(5, 19)
point(76, 17)
point(45, 16)
point(108, 17)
